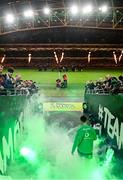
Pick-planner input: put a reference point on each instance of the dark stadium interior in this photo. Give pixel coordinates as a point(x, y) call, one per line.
point(59, 68)
point(104, 33)
point(69, 35)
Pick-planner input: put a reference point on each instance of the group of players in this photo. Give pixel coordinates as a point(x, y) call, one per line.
point(62, 84)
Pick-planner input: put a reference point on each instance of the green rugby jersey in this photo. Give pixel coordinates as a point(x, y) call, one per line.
point(84, 139)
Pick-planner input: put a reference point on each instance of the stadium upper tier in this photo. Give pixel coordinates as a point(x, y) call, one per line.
point(53, 56)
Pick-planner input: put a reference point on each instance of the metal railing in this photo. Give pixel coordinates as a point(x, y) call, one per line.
point(101, 91)
point(16, 92)
point(61, 17)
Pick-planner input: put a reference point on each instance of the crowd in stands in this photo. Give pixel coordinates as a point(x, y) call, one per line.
point(15, 85)
point(68, 64)
point(76, 67)
point(110, 84)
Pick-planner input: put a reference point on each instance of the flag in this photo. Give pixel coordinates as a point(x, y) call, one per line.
point(120, 57)
point(115, 57)
point(62, 56)
point(89, 57)
point(3, 58)
point(29, 58)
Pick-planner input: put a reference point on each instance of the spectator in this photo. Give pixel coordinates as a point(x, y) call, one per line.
point(121, 83)
point(2, 81)
point(18, 79)
point(109, 85)
point(16, 85)
point(85, 108)
point(120, 79)
point(115, 85)
point(1, 69)
point(9, 80)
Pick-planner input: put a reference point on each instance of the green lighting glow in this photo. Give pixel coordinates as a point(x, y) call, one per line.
point(45, 152)
point(28, 153)
point(97, 174)
point(109, 156)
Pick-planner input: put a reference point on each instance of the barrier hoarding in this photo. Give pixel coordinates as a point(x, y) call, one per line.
point(108, 110)
point(11, 124)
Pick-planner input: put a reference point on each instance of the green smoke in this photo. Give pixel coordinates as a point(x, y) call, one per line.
point(49, 147)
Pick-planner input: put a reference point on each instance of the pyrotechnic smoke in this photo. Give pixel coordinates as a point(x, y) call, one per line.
point(51, 148)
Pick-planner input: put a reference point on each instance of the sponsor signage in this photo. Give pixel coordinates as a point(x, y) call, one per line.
point(62, 106)
point(113, 126)
point(108, 110)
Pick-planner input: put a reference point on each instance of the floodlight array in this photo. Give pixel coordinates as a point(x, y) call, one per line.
point(73, 10)
point(87, 15)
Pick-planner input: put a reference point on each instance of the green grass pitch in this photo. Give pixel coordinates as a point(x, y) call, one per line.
point(76, 80)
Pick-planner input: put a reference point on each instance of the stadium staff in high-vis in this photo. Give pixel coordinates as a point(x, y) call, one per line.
point(84, 139)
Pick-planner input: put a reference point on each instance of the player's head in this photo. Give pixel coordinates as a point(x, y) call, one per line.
point(10, 71)
point(83, 119)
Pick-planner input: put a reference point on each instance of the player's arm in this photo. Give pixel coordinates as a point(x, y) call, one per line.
point(94, 134)
point(77, 141)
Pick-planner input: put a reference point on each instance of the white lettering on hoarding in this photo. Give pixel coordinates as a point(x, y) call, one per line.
point(7, 149)
point(9, 146)
point(113, 126)
point(1, 164)
point(120, 144)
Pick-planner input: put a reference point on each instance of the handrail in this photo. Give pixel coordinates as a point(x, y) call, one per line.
point(100, 91)
point(16, 92)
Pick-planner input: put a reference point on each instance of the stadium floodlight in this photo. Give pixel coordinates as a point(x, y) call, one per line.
point(46, 10)
point(87, 9)
point(104, 8)
point(29, 13)
point(10, 18)
point(74, 9)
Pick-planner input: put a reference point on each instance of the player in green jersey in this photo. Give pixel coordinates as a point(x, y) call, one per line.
point(84, 139)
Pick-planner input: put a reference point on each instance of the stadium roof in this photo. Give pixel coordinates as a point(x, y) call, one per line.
point(94, 28)
point(64, 36)
point(54, 2)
